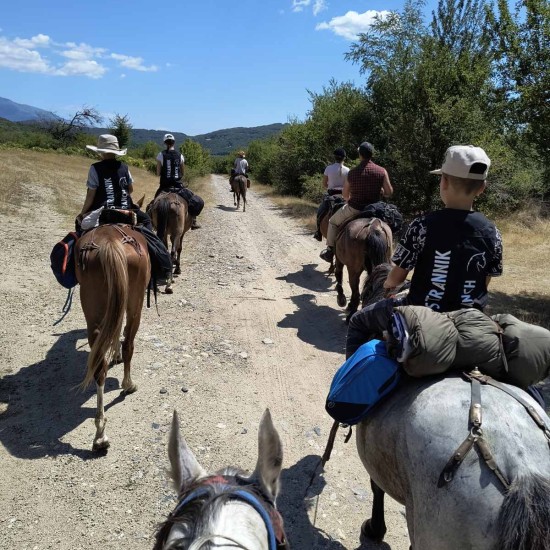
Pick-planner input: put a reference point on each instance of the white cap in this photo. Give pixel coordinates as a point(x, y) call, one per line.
point(168, 137)
point(465, 161)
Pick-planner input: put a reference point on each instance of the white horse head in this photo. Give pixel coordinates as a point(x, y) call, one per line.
point(227, 509)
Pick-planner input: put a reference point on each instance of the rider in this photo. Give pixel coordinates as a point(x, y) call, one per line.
point(240, 168)
point(454, 251)
point(110, 183)
point(171, 168)
point(333, 181)
point(362, 187)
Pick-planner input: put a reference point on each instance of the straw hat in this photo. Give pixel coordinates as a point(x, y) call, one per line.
point(106, 143)
point(241, 153)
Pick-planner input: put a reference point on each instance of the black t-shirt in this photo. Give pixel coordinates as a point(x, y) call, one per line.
point(452, 253)
point(170, 174)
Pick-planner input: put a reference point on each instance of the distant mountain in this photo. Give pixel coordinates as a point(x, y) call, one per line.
point(220, 142)
point(17, 112)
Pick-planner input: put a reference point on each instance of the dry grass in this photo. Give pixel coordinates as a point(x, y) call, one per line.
point(302, 210)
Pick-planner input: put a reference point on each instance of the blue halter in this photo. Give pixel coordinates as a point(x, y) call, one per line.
point(238, 494)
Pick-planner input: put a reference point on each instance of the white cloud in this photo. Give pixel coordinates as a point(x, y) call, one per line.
point(63, 59)
point(82, 67)
point(19, 58)
point(352, 24)
point(135, 63)
point(319, 6)
point(299, 5)
point(122, 75)
point(81, 51)
point(38, 41)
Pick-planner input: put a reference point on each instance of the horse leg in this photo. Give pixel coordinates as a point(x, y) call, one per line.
point(375, 527)
point(235, 199)
point(101, 441)
point(338, 272)
point(354, 277)
point(128, 351)
point(177, 271)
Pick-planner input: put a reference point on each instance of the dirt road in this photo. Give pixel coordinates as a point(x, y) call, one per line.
point(252, 323)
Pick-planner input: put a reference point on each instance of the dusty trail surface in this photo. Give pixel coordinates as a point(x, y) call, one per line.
point(252, 323)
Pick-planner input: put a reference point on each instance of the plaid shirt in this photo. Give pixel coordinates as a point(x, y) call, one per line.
point(365, 183)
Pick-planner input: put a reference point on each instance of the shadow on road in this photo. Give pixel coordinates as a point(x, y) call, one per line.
point(320, 326)
point(43, 404)
point(311, 279)
point(226, 208)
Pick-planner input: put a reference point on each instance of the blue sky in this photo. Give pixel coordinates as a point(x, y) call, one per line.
point(191, 66)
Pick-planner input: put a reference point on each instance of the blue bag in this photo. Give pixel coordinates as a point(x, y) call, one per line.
point(361, 382)
point(62, 261)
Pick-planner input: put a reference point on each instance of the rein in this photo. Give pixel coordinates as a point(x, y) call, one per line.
point(272, 518)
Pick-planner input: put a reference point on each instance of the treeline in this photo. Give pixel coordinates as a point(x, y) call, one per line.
point(474, 74)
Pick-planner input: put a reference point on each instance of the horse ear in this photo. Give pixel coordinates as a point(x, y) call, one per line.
point(185, 467)
point(270, 456)
point(141, 201)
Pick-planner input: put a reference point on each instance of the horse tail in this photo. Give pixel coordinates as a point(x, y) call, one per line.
point(242, 186)
point(523, 519)
point(163, 209)
point(377, 248)
point(112, 258)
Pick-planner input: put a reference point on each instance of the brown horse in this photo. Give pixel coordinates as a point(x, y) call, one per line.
point(113, 270)
point(362, 244)
point(170, 215)
point(238, 184)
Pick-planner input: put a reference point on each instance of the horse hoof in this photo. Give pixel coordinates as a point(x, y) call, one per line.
point(368, 532)
point(129, 389)
point(177, 271)
point(341, 300)
point(168, 290)
point(101, 444)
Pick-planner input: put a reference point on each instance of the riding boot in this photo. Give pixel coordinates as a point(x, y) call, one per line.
point(194, 224)
point(317, 235)
point(327, 254)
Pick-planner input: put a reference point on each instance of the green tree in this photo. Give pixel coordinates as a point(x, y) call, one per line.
point(522, 50)
point(120, 127)
point(197, 158)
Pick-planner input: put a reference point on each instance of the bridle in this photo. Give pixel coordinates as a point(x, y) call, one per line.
point(239, 489)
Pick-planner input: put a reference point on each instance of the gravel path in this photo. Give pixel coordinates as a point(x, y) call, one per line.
point(252, 323)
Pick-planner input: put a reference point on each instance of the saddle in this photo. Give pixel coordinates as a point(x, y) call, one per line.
point(386, 212)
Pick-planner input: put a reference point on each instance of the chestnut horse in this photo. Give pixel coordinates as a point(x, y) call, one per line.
point(238, 184)
point(113, 269)
point(362, 244)
point(170, 215)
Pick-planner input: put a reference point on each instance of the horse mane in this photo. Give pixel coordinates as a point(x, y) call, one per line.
point(373, 287)
point(213, 497)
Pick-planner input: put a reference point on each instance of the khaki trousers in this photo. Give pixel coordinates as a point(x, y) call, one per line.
point(336, 221)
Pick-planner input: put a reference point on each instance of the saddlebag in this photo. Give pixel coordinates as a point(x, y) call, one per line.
point(361, 382)
point(62, 261)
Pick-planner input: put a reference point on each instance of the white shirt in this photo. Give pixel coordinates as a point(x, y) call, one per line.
point(160, 158)
point(240, 165)
point(336, 175)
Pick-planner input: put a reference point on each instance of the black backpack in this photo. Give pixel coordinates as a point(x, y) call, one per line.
point(386, 212)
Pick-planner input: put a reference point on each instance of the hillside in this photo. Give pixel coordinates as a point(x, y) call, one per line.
point(17, 112)
point(220, 142)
